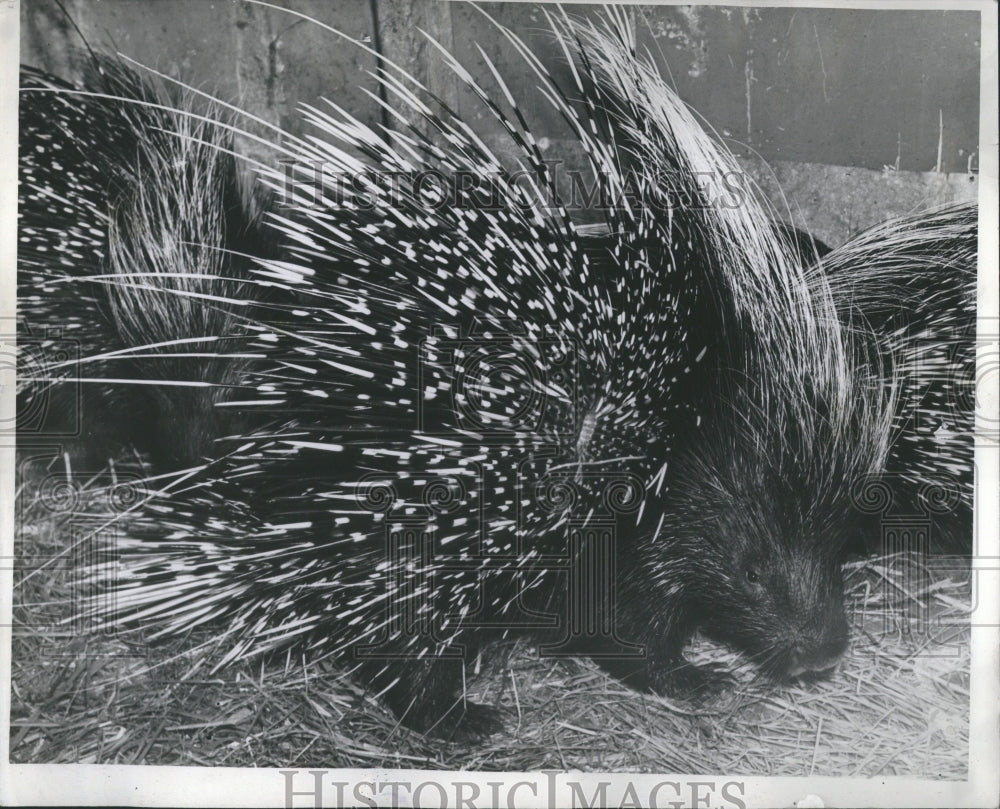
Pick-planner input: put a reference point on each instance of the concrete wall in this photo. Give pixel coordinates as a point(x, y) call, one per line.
point(858, 114)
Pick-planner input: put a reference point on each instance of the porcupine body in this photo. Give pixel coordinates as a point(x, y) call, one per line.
point(910, 283)
point(131, 213)
point(468, 409)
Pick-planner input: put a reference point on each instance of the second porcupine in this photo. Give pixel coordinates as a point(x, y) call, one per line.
point(909, 284)
point(409, 500)
point(133, 224)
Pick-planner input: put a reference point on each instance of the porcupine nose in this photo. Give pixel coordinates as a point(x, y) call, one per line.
point(819, 652)
point(817, 659)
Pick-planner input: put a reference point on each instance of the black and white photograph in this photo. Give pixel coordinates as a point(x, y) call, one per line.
point(475, 404)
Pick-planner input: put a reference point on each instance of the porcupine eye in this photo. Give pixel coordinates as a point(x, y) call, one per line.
point(753, 583)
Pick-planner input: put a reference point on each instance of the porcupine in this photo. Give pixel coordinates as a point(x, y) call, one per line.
point(132, 222)
point(399, 516)
point(911, 284)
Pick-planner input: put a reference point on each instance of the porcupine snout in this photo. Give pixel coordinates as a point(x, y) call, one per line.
point(819, 631)
point(820, 652)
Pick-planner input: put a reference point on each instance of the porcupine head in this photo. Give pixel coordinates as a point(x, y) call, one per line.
point(742, 534)
point(746, 550)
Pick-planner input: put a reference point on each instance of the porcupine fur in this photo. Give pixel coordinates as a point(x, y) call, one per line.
point(910, 283)
point(697, 397)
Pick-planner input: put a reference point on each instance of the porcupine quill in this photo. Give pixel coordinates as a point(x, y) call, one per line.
point(445, 405)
